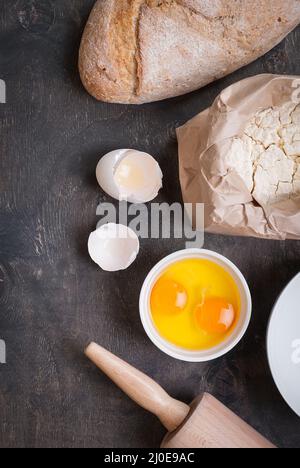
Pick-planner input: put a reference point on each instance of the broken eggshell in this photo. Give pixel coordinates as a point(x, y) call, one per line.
point(113, 247)
point(129, 175)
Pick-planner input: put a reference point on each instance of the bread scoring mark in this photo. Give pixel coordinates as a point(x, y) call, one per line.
point(193, 10)
point(123, 43)
point(137, 55)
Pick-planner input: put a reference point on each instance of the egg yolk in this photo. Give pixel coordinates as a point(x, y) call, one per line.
point(195, 304)
point(168, 296)
point(215, 315)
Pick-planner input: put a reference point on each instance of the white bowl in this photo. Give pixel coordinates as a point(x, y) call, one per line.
point(283, 344)
point(182, 353)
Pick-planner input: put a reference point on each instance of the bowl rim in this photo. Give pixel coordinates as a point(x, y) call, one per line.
point(269, 338)
point(175, 351)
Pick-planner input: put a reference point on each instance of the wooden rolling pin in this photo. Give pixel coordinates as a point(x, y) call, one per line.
point(207, 423)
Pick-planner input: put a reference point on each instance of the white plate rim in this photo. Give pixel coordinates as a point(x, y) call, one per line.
point(270, 360)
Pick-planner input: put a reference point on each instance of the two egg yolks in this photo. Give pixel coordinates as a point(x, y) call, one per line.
point(195, 304)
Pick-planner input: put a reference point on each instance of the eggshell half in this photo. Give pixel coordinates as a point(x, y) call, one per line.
point(113, 247)
point(111, 170)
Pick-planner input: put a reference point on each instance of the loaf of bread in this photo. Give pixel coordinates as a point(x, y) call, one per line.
point(137, 51)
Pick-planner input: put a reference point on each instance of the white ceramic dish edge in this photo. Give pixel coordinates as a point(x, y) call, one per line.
point(270, 331)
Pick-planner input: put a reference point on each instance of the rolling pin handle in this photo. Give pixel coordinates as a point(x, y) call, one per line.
point(139, 387)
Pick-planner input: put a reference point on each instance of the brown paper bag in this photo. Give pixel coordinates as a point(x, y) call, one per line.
point(203, 142)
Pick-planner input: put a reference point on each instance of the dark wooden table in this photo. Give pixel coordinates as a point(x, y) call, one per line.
point(53, 299)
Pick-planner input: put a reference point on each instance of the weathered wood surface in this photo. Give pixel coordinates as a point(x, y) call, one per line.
point(53, 299)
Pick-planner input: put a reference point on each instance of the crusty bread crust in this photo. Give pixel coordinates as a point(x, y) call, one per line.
point(137, 51)
point(107, 61)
